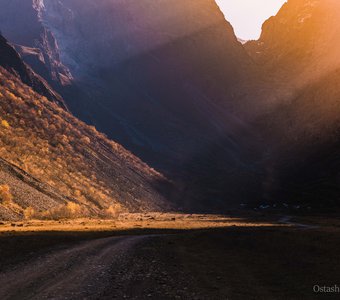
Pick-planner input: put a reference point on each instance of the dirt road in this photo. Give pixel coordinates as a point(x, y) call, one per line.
point(126, 267)
point(83, 271)
point(215, 263)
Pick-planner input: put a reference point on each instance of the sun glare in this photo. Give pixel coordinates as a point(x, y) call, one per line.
point(247, 16)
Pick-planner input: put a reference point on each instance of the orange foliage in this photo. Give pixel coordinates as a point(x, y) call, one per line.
point(5, 194)
point(5, 124)
point(55, 147)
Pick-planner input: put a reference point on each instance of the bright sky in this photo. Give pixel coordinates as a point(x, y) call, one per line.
point(247, 16)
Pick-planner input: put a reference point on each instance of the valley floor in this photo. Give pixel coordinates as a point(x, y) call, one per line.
point(169, 256)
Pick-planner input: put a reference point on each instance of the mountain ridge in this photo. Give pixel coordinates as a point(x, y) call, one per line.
point(11, 61)
point(56, 166)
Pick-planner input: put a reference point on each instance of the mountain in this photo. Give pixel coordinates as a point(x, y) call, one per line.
point(229, 123)
point(301, 41)
point(153, 75)
point(299, 49)
point(12, 62)
point(21, 23)
point(163, 78)
point(287, 151)
point(53, 165)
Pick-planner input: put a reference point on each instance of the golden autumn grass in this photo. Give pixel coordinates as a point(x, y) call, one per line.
point(56, 148)
point(68, 210)
point(128, 221)
point(5, 194)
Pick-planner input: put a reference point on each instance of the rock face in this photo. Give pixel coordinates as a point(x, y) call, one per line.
point(299, 49)
point(301, 41)
point(21, 23)
point(11, 61)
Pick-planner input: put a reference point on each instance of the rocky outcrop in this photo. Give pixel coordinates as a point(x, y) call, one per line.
point(301, 41)
point(21, 23)
point(11, 61)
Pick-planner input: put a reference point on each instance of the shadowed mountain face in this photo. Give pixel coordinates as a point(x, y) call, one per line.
point(21, 23)
point(299, 49)
point(11, 61)
point(302, 135)
point(291, 154)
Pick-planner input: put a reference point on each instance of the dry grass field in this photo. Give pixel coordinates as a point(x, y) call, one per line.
point(128, 221)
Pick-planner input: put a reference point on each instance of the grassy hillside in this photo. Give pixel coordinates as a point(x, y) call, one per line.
point(92, 174)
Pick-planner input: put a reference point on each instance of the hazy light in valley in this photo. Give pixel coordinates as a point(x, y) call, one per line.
point(247, 16)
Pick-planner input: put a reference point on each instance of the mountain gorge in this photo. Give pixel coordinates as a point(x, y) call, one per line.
point(231, 124)
point(137, 64)
point(12, 62)
point(21, 23)
point(162, 78)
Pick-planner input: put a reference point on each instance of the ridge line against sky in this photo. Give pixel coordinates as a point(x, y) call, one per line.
point(247, 16)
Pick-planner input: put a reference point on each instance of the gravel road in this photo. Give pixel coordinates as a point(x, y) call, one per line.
point(212, 264)
point(90, 270)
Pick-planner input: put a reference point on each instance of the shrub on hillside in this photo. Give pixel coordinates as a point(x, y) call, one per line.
point(113, 211)
point(6, 197)
point(5, 124)
point(56, 148)
point(70, 210)
point(29, 213)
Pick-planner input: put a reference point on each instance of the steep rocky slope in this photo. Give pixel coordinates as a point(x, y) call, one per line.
point(52, 164)
point(21, 23)
point(26, 195)
point(299, 50)
point(12, 62)
point(301, 42)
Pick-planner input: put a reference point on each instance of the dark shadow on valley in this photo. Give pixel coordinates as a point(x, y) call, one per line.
point(239, 262)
